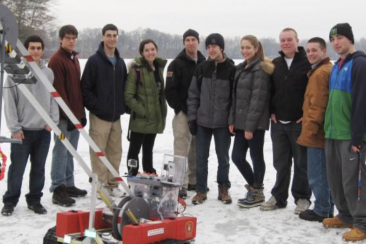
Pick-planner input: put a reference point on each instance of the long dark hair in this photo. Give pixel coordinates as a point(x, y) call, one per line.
point(144, 42)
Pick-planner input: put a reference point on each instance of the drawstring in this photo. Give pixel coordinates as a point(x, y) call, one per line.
point(359, 176)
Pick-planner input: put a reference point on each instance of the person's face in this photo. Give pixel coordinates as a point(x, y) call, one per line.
point(110, 39)
point(214, 52)
point(341, 44)
point(35, 51)
point(191, 44)
point(149, 52)
point(315, 53)
point(248, 50)
point(68, 42)
point(288, 42)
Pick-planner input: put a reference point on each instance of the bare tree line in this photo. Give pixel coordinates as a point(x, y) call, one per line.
point(34, 17)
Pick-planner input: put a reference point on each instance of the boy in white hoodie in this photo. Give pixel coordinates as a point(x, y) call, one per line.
point(27, 125)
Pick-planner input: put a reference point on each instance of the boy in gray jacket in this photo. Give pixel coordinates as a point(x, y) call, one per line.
point(27, 125)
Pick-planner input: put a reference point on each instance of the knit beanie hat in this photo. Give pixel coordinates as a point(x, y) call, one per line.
point(343, 29)
point(191, 32)
point(215, 39)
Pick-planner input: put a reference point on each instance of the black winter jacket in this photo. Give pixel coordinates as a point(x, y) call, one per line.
point(103, 85)
point(179, 77)
point(289, 85)
point(209, 96)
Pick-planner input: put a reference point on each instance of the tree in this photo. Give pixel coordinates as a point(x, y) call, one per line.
point(33, 16)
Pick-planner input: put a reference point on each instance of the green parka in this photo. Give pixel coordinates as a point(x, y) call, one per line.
point(148, 105)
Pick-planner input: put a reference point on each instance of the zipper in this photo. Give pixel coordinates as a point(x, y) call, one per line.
point(114, 91)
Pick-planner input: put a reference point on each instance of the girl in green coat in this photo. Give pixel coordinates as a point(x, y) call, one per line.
point(147, 102)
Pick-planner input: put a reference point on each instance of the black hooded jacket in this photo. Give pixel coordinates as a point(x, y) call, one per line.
point(103, 85)
point(289, 86)
point(179, 77)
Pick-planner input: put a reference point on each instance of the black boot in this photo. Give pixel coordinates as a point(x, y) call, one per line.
point(37, 208)
point(73, 191)
point(7, 210)
point(310, 215)
point(60, 197)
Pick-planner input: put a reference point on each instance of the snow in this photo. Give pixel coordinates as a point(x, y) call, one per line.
point(216, 223)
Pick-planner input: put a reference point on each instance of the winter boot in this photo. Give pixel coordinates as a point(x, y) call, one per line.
point(354, 235)
point(183, 193)
point(8, 209)
point(336, 223)
point(254, 198)
point(310, 215)
point(60, 197)
point(73, 191)
point(224, 195)
point(199, 198)
point(37, 208)
point(191, 187)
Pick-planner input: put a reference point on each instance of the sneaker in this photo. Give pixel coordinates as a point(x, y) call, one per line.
point(199, 198)
point(310, 215)
point(271, 204)
point(336, 223)
point(116, 192)
point(61, 198)
point(354, 235)
point(183, 193)
point(7, 210)
point(253, 198)
point(191, 187)
point(301, 205)
point(37, 208)
point(73, 191)
point(224, 195)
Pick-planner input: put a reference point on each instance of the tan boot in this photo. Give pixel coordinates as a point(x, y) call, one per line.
point(199, 198)
point(335, 223)
point(354, 235)
point(224, 196)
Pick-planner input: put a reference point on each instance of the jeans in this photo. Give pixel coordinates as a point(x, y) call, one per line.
point(285, 149)
point(255, 176)
point(222, 145)
point(35, 144)
point(317, 174)
point(147, 142)
point(62, 170)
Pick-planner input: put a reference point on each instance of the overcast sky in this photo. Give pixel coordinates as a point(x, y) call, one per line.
point(263, 18)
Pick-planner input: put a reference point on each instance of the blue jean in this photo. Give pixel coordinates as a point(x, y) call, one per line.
point(62, 171)
point(35, 144)
point(285, 149)
point(255, 176)
point(222, 145)
point(317, 175)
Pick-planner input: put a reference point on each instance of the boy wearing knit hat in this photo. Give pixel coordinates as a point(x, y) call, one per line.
point(345, 133)
point(179, 76)
point(209, 99)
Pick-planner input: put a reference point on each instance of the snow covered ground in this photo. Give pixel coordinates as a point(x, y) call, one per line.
point(217, 223)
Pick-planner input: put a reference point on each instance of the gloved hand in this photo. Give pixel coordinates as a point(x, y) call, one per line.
point(193, 127)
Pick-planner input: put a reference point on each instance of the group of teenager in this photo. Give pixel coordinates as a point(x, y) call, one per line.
point(315, 111)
